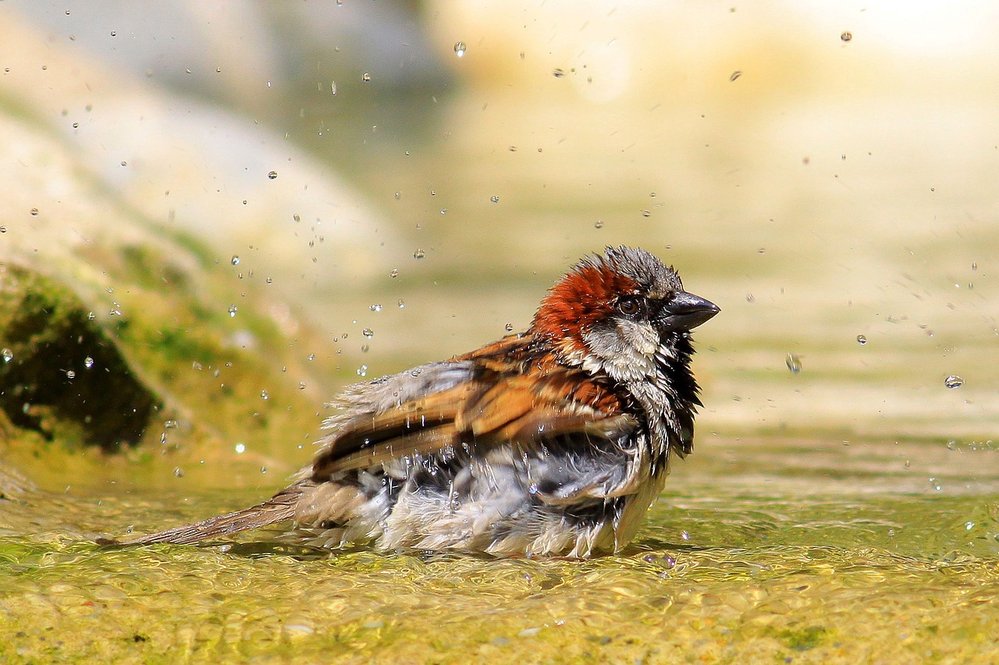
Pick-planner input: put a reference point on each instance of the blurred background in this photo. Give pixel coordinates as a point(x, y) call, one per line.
point(389, 183)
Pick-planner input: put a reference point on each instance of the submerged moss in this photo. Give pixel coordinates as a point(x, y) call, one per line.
point(62, 376)
point(803, 639)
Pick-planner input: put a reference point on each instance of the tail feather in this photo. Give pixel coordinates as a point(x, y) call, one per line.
point(278, 508)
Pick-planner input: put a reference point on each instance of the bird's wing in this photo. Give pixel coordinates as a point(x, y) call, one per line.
point(490, 405)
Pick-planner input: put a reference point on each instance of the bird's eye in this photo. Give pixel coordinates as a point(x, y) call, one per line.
point(629, 306)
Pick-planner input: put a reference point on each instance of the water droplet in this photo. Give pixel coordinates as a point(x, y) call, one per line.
point(558, 73)
point(34, 212)
point(240, 448)
point(735, 75)
point(272, 175)
point(264, 394)
point(793, 363)
point(685, 535)
point(368, 332)
point(365, 77)
point(419, 254)
point(646, 213)
point(952, 445)
point(459, 49)
point(232, 311)
point(179, 472)
point(508, 327)
point(362, 370)
point(394, 273)
point(953, 381)
point(88, 362)
point(301, 385)
point(846, 36)
point(70, 374)
point(124, 163)
point(599, 224)
point(861, 339)
point(494, 199)
point(969, 525)
point(750, 297)
point(115, 309)
point(375, 308)
point(402, 304)
point(3, 229)
point(234, 260)
point(8, 355)
point(311, 357)
point(333, 87)
point(935, 485)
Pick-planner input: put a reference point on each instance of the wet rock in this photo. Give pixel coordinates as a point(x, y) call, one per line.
point(61, 375)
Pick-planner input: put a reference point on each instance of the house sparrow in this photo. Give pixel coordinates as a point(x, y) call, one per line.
point(554, 441)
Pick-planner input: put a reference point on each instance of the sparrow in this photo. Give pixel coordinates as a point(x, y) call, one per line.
point(550, 442)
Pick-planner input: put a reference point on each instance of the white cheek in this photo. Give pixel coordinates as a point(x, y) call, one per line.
point(641, 337)
point(627, 351)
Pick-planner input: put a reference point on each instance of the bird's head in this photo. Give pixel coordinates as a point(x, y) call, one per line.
point(624, 312)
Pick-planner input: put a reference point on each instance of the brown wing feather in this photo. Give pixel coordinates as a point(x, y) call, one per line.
point(499, 405)
point(422, 441)
point(508, 398)
point(391, 432)
point(499, 354)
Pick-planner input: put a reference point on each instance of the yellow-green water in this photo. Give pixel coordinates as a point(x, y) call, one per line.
point(745, 558)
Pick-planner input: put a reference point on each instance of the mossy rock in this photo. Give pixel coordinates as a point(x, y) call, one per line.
point(60, 374)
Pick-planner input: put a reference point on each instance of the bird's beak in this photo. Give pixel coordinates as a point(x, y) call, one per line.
point(685, 311)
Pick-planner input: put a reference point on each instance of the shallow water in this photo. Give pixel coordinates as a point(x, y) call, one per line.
point(742, 558)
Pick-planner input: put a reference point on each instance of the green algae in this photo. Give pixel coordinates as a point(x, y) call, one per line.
point(65, 378)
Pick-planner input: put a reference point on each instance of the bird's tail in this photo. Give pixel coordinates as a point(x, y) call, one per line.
point(278, 508)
